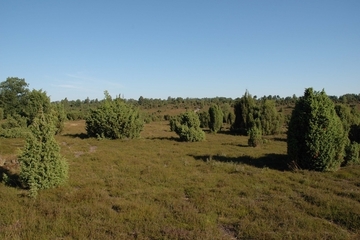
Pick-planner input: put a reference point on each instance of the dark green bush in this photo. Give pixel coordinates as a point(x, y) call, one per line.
point(114, 119)
point(316, 139)
point(249, 112)
point(352, 154)
point(271, 120)
point(173, 121)
point(204, 118)
point(244, 114)
point(216, 118)
point(354, 133)
point(187, 127)
point(347, 116)
point(255, 137)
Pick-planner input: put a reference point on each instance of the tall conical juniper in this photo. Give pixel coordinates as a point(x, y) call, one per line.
point(316, 139)
point(42, 165)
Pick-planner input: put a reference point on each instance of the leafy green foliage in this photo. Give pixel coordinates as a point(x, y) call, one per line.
point(271, 120)
point(215, 118)
point(13, 94)
point(42, 166)
point(173, 121)
point(347, 116)
point(316, 138)
point(36, 101)
point(262, 114)
point(352, 153)
point(228, 113)
point(255, 136)
point(19, 104)
point(244, 114)
point(14, 126)
point(187, 127)
point(114, 119)
point(59, 117)
point(230, 118)
point(204, 118)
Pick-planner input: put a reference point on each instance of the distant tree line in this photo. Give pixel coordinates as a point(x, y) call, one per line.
point(78, 109)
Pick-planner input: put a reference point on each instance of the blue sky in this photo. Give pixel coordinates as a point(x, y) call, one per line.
point(155, 49)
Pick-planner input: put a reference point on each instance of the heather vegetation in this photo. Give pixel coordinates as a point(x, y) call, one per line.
point(160, 172)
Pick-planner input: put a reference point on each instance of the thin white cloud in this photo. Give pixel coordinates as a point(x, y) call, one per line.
point(68, 86)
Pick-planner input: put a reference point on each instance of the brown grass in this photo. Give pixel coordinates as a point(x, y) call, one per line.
point(156, 187)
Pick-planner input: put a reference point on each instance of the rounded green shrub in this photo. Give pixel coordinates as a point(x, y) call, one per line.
point(187, 127)
point(316, 139)
point(255, 137)
point(114, 119)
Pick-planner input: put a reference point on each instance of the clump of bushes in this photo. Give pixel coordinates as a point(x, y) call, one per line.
point(21, 115)
point(114, 119)
point(187, 127)
point(250, 112)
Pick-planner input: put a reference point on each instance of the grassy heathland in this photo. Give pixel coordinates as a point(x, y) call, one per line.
point(156, 187)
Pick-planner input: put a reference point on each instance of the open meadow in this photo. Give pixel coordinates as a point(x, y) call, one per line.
point(157, 187)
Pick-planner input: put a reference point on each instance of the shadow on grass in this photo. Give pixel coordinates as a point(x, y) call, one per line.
point(273, 161)
point(279, 139)
point(77, 135)
point(176, 139)
point(228, 132)
point(235, 144)
point(9, 178)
